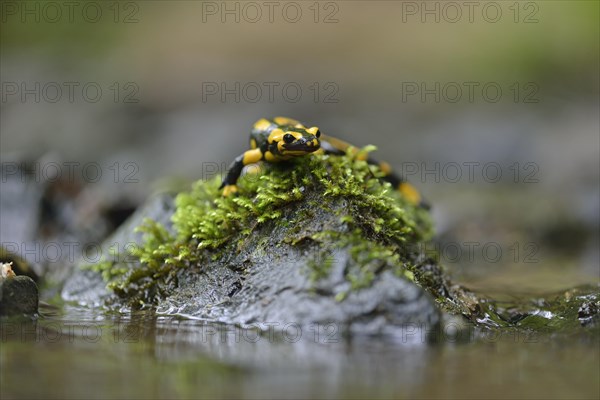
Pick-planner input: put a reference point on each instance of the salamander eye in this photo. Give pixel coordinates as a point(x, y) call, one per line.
point(318, 134)
point(288, 138)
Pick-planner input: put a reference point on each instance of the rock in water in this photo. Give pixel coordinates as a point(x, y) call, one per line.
point(318, 241)
point(18, 296)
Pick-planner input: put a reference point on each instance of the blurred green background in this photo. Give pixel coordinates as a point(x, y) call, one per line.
point(178, 82)
point(179, 92)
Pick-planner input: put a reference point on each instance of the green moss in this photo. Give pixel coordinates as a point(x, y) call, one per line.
point(376, 222)
point(320, 267)
point(369, 257)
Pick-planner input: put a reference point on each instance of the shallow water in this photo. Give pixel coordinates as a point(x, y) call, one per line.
point(76, 352)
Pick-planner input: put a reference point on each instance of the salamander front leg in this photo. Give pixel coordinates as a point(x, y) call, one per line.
point(235, 170)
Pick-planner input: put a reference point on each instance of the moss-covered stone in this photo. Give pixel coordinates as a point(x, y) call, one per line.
point(373, 220)
point(317, 240)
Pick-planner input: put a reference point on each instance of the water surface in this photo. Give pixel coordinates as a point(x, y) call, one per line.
point(76, 352)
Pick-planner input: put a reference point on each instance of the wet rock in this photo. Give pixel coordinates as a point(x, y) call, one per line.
point(589, 313)
point(312, 260)
point(281, 294)
point(18, 296)
point(568, 311)
point(88, 287)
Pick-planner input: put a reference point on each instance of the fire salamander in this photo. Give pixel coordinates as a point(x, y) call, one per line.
point(280, 138)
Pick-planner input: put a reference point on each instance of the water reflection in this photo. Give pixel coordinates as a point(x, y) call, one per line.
point(81, 352)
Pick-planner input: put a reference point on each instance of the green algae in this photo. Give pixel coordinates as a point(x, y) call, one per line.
point(565, 311)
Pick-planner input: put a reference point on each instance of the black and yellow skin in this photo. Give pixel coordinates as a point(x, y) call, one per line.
point(280, 138)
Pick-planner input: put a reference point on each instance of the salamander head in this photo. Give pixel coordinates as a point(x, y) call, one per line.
point(295, 140)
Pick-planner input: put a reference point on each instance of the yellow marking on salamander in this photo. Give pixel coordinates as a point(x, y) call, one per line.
point(312, 130)
point(410, 192)
point(229, 189)
point(385, 168)
point(362, 155)
point(252, 156)
point(270, 157)
point(262, 124)
point(253, 169)
point(276, 135)
point(286, 121)
point(252, 143)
